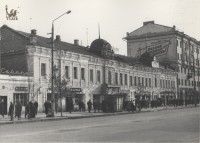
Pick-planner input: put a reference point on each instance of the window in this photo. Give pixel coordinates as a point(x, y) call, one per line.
point(67, 71)
point(177, 43)
point(75, 72)
point(178, 81)
point(121, 79)
point(164, 83)
point(131, 81)
point(91, 75)
point(126, 79)
point(181, 81)
point(135, 80)
point(116, 78)
point(43, 69)
point(142, 81)
point(82, 73)
point(185, 82)
point(98, 76)
point(109, 77)
point(161, 83)
point(178, 56)
point(21, 97)
point(146, 82)
point(149, 82)
point(168, 83)
point(139, 81)
point(155, 82)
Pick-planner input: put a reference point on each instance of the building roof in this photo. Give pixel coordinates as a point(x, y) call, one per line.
point(150, 28)
point(96, 46)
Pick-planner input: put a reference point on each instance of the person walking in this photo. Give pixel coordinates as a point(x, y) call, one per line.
point(18, 110)
point(11, 111)
point(27, 110)
point(89, 103)
point(36, 107)
point(2, 108)
point(46, 107)
point(95, 106)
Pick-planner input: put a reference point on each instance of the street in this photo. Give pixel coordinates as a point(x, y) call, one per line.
point(178, 125)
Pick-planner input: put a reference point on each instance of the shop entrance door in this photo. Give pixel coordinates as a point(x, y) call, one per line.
point(4, 104)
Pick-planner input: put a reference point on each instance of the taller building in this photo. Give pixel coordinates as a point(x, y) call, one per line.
point(174, 49)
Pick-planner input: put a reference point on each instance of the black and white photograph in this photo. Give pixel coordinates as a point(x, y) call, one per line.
point(100, 71)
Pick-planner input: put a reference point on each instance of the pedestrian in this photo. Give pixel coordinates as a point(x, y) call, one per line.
point(27, 110)
point(18, 110)
point(2, 108)
point(89, 104)
point(46, 107)
point(36, 107)
point(11, 111)
point(95, 106)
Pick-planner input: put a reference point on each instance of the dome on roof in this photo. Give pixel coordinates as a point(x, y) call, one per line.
point(98, 46)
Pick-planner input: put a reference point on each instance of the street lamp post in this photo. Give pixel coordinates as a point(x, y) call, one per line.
point(52, 65)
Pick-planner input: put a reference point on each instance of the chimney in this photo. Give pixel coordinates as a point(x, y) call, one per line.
point(33, 32)
point(174, 27)
point(33, 37)
point(148, 22)
point(58, 38)
point(76, 42)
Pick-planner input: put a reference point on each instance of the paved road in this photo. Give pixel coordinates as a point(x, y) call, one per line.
point(179, 125)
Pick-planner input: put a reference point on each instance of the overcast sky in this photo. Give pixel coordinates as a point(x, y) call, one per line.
point(115, 17)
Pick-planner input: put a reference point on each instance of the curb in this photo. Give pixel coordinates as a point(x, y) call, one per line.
point(87, 116)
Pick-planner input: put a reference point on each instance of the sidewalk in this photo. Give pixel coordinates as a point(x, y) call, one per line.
point(78, 115)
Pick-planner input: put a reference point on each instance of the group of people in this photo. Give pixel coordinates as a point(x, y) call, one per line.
point(30, 110)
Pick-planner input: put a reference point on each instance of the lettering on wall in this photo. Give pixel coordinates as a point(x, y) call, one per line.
point(158, 48)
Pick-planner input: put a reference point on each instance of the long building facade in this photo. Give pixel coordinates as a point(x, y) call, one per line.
point(94, 73)
point(173, 48)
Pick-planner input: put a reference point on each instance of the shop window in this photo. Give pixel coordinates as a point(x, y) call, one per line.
point(75, 72)
point(98, 76)
point(82, 73)
point(43, 69)
point(21, 97)
point(116, 78)
point(91, 75)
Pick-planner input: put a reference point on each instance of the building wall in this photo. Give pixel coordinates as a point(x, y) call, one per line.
point(12, 41)
point(91, 88)
point(10, 85)
point(181, 46)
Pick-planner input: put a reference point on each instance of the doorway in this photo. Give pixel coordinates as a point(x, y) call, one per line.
point(4, 105)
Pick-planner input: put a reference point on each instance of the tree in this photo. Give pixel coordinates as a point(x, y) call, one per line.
point(61, 88)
